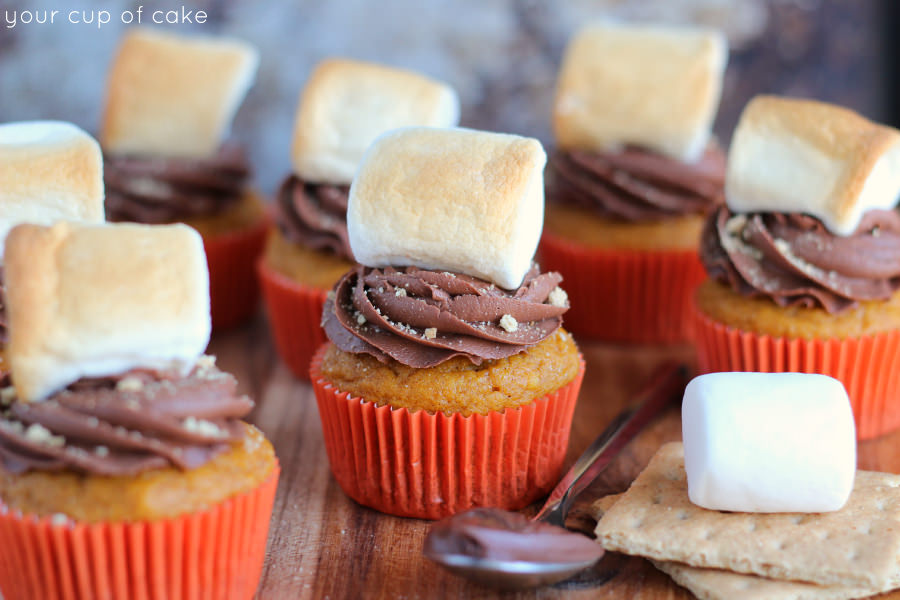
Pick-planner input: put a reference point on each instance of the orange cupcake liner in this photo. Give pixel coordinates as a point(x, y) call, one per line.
point(216, 553)
point(429, 466)
point(868, 366)
point(295, 317)
point(635, 296)
point(233, 288)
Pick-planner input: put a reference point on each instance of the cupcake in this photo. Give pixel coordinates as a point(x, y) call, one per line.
point(49, 171)
point(125, 468)
point(632, 177)
point(447, 382)
point(344, 107)
point(804, 258)
point(169, 104)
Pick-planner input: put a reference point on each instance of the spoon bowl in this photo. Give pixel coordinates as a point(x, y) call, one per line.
point(502, 549)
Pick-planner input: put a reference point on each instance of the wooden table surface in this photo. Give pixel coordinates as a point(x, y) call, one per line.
point(324, 545)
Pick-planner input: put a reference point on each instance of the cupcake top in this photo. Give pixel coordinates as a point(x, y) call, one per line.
point(445, 223)
point(108, 324)
point(632, 118)
point(170, 101)
point(344, 106)
point(811, 215)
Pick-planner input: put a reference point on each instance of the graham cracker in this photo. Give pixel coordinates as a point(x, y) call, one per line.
point(715, 584)
point(857, 546)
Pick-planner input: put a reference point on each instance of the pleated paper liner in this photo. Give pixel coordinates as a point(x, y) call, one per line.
point(424, 465)
point(217, 553)
point(868, 366)
point(632, 296)
point(233, 288)
point(295, 317)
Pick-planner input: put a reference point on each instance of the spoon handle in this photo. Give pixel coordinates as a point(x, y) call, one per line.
point(664, 387)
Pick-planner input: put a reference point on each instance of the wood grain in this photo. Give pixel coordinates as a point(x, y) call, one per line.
point(323, 545)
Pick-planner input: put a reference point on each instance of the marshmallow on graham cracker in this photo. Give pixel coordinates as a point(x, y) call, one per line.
point(650, 86)
point(768, 442)
point(456, 200)
point(98, 300)
point(174, 96)
point(346, 104)
point(49, 171)
point(803, 156)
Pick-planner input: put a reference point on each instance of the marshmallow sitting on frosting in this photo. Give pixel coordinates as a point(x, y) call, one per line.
point(99, 300)
point(649, 86)
point(768, 442)
point(802, 156)
point(49, 171)
point(346, 104)
point(174, 96)
point(456, 200)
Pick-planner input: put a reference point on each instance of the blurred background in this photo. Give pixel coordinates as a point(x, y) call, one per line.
point(501, 55)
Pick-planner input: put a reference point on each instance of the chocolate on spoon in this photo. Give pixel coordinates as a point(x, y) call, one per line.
point(504, 549)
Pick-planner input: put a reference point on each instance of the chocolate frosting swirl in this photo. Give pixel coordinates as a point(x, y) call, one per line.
point(4, 331)
point(794, 260)
point(165, 190)
point(314, 215)
point(124, 425)
point(422, 318)
point(637, 185)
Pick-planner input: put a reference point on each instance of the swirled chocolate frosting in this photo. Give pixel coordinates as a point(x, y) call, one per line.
point(124, 425)
point(4, 332)
point(794, 260)
point(165, 190)
point(422, 318)
point(635, 184)
point(314, 215)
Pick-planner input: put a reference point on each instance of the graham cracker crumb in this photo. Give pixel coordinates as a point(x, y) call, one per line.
point(130, 384)
point(400, 292)
point(558, 297)
point(431, 333)
point(509, 323)
point(202, 427)
point(39, 434)
point(7, 395)
point(101, 451)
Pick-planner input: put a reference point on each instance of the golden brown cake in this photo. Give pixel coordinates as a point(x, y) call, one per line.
point(458, 386)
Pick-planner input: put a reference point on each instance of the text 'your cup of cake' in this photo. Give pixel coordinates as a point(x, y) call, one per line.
point(170, 101)
point(344, 106)
point(447, 382)
point(126, 470)
point(633, 175)
point(804, 258)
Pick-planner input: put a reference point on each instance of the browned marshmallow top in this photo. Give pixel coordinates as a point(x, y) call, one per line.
point(794, 260)
point(636, 184)
point(143, 189)
point(314, 215)
point(124, 425)
point(422, 318)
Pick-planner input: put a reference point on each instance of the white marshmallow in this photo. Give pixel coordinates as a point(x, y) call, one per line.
point(768, 442)
point(455, 200)
point(49, 171)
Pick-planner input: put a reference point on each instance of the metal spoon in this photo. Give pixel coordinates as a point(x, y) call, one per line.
point(541, 551)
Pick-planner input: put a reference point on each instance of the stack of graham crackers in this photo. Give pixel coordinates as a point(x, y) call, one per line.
point(850, 553)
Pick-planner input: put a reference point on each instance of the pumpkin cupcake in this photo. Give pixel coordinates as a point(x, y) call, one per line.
point(632, 177)
point(125, 470)
point(804, 258)
point(345, 105)
point(170, 101)
point(49, 171)
point(448, 382)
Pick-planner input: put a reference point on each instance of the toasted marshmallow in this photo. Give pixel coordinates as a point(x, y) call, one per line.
point(768, 442)
point(802, 156)
point(49, 171)
point(346, 104)
point(98, 300)
point(650, 86)
point(455, 200)
point(174, 96)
